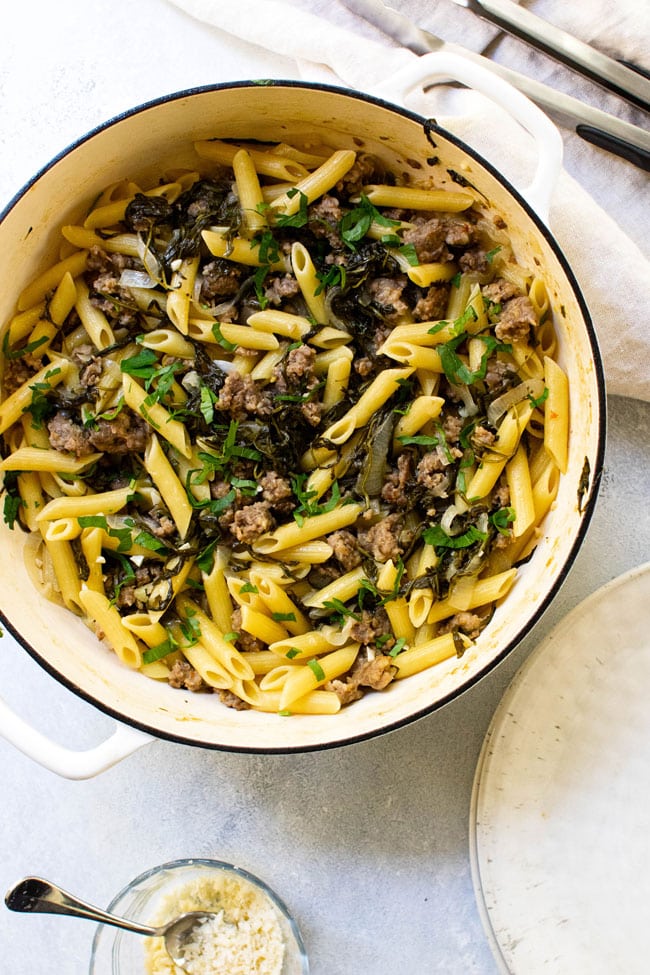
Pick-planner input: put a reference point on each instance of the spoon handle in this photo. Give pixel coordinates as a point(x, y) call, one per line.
point(37, 896)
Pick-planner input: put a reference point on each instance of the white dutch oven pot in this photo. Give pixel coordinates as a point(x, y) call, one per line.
point(156, 135)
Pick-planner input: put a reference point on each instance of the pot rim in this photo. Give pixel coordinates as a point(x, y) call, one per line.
point(586, 509)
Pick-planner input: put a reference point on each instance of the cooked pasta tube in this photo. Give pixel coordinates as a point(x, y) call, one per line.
point(43, 459)
point(21, 325)
point(210, 669)
point(414, 198)
point(280, 322)
point(266, 163)
point(213, 640)
point(216, 591)
point(289, 535)
point(102, 503)
point(172, 491)
point(316, 183)
point(63, 300)
point(314, 702)
point(75, 264)
point(485, 591)
point(310, 285)
point(21, 399)
point(419, 658)
point(281, 608)
point(556, 412)
point(302, 645)
point(249, 192)
point(107, 619)
point(240, 250)
point(302, 680)
point(156, 416)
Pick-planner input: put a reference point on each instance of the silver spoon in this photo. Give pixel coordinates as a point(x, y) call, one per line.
point(37, 896)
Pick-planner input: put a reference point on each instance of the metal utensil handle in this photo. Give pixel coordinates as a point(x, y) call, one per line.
point(442, 65)
point(614, 134)
point(33, 895)
point(611, 74)
point(66, 762)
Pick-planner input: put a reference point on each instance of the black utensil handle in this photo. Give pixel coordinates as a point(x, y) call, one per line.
point(640, 157)
point(635, 67)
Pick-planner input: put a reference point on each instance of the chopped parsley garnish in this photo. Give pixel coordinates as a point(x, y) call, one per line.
point(502, 519)
point(334, 277)
point(397, 647)
point(124, 535)
point(24, 350)
point(456, 371)
point(356, 223)
point(158, 379)
point(436, 536)
point(316, 669)
point(537, 401)
point(224, 343)
point(13, 501)
point(298, 219)
point(163, 649)
point(190, 627)
point(339, 610)
point(306, 507)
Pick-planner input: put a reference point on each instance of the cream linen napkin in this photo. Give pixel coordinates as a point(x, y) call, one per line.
point(612, 270)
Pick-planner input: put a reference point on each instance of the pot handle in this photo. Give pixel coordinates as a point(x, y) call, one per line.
point(67, 762)
point(445, 66)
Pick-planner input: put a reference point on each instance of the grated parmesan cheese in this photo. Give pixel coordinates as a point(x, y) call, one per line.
point(244, 937)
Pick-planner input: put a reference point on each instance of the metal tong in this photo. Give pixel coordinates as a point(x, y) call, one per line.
point(595, 126)
point(619, 77)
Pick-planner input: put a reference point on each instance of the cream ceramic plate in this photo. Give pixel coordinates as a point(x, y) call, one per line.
point(560, 819)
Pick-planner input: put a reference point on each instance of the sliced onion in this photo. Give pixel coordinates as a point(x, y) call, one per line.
point(469, 407)
point(498, 406)
point(447, 519)
point(129, 278)
point(225, 365)
point(373, 472)
point(150, 261)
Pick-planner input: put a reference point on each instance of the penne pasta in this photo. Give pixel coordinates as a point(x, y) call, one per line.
point(283, 449)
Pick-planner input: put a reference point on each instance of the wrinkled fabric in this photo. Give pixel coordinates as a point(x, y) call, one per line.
point(600, 208)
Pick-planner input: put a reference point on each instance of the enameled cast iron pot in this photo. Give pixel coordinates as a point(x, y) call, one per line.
point(158, 134)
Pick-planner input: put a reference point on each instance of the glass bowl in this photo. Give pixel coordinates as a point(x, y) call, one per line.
point(154, 897)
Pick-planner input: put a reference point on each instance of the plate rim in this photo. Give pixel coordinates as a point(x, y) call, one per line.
point(602, 592)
